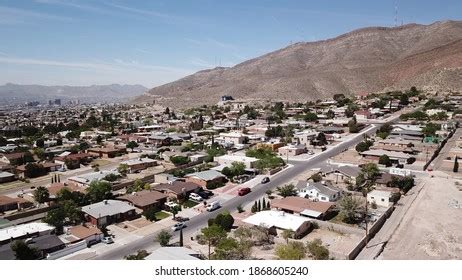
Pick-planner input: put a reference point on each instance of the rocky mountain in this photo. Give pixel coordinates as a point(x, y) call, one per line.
point(13, 93)
point(364, 60)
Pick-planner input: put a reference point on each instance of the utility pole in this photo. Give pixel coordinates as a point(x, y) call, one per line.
point(365, 220)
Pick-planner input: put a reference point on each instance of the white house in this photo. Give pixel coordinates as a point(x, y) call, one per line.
point(380, 198)
point(318, 191)
point(233, 137)
point(229, 159)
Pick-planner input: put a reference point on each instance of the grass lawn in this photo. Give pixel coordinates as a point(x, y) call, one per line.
point(162, 215)
point(189, 204)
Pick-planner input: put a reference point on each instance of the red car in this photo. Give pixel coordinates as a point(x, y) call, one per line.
point(243, 191)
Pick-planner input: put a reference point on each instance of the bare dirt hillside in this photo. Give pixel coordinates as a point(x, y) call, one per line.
point(364, 60)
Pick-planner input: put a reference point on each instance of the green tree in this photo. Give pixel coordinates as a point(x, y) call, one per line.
point(212, 235)
point(224, 220)
point(349, 207)
point(455, 169)
point(181, 237)
point(55, 217)
point(404, 100)
point(353, 125)
point(232, 249)
point(367, 176)
point(287, 233)
point(150, 214)
point(40, 153)
point(40, 143)
point(33, 170)
point(316, 177)
point(363, 146)
point(287, 190)
point(83, 146)
point(310, 117)
point(99, 140)
point(22, 251)
point(292, 251)
point(254, 208)
point(175, 210)
point(99, 191)
point(317, 250)
point(404, 184)
point(385, 160)
point(179, 160)
point(321, 138)
point(132, 145)
point(430, 129)
point(140, 255)
point(71, 211)
point(123, 169)
point(163, 237)
point(111, 177)
point(41, 195)
point(238, 168)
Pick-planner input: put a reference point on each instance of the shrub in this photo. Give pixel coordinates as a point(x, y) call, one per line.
point(317, 250)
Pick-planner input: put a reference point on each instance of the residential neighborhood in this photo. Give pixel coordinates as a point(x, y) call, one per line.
point(236, 180)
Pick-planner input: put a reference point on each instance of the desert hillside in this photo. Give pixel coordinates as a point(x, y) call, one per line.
point(364, 60)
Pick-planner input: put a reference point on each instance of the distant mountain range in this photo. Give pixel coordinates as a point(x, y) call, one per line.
point(13, 93)
point(365, 60)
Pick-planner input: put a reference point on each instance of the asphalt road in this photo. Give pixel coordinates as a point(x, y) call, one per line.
point(258, 191)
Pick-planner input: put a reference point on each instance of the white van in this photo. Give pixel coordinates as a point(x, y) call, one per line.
point(213, 206)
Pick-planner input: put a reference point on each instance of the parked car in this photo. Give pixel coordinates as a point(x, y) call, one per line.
point(171, 204)
point(213, 206)
point(181, 219)
point(91, 243)
point(265, 180)
point(107, 240)
point(178, 226)
point(205, 194)
point(195, 196)
point(243, 191)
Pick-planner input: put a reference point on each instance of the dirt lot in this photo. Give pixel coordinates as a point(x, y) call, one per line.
point(349, 156)
point(431, 228)
point(339, 244)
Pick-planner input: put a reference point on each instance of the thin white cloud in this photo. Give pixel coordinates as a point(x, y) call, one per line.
point(118, 65)
point(45, 62)
point(140, 11)
point(210, 42)
point(143, 51)
point(79, 5)
point(10, 15)
point(196, 61)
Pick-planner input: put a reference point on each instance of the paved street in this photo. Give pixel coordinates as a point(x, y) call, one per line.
point(258, 191)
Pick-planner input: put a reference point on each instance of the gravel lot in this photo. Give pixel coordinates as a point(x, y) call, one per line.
point(431, 228)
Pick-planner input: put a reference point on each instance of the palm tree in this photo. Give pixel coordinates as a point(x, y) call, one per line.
point(288, 233)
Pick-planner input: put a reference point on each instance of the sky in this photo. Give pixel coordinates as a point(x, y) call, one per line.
point(152, 42)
